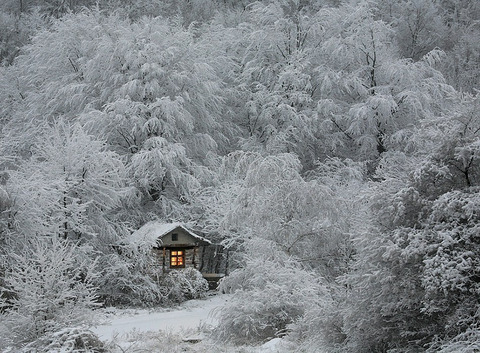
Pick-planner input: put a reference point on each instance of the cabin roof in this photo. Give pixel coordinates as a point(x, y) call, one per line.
point(154, 230)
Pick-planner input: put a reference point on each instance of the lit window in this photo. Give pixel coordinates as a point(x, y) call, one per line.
point(177, 258)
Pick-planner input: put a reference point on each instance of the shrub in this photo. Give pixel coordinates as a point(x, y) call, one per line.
point(268, 296)
point(466, 342)
point(67, 340)
point(182, 285)
point(125, 282)
point(52, 289)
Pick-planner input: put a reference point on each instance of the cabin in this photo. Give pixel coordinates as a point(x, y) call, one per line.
point(177, 247)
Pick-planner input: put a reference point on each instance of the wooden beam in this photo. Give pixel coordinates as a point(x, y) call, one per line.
point(202, 259)
point(193, 259)
point(163, 262)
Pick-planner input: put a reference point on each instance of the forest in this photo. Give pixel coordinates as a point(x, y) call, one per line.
point(332, 145)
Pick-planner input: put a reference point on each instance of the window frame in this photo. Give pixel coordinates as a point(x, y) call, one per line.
point(174, 254)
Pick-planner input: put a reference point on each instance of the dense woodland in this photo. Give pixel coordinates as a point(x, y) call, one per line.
point(333, 145)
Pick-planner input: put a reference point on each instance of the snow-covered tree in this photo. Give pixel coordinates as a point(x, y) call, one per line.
point(274, 79)
point(68, 187)
point(149, 89)
point(269, 294)
point(266, 197)
point(419, 25)
point(416, 269)
point(15, 32)
point(461, 67)
point(369, 97)
point(50, 288)
point(286, 227)
point(73, 187)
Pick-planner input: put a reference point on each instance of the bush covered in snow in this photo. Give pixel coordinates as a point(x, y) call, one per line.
point(269, 294)
point(50, 289)
point(68, 340)
point(125, 280)
point(181, 285)
point(466, 342)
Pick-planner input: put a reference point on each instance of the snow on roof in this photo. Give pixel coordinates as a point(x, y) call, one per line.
point(154, 230)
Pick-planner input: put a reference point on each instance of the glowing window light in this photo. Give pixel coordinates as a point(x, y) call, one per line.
point(177, 258)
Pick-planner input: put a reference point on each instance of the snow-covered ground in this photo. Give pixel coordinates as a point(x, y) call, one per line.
point(192, 315)
point(168, 330)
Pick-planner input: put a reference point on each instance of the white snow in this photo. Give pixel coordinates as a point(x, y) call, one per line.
point(154, 230)
point(270, 346)
point(191, 315)
point(161, 330)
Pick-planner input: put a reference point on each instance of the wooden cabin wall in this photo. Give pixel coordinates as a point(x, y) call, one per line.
point(189, 258)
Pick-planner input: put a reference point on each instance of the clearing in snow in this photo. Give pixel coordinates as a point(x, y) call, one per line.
point(191, 315)
point(181, 329)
